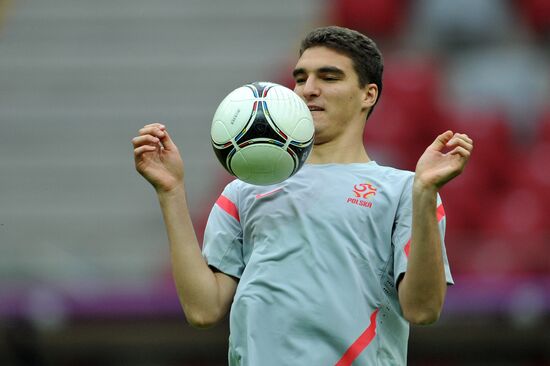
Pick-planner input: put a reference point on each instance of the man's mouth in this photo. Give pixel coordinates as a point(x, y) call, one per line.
point(314, 108)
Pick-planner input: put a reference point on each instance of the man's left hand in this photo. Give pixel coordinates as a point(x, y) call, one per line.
point(443, 160)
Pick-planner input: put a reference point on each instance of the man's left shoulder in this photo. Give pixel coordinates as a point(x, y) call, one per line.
point(394, 175)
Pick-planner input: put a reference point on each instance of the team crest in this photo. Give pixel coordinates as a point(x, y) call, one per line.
point(363, 194)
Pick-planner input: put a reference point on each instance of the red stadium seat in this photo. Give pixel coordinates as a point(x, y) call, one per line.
point(376, 18)
point(518, 212)
point(408, 116)
point(534, 175)
point(543, 130)
point(537, 14)
point(467, 197)
point(392, 130)
point(494, 147)
point(414, 83)
point(504, 254)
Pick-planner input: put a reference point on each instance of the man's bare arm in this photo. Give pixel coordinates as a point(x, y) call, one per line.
point(205, 296)
point(423, 287)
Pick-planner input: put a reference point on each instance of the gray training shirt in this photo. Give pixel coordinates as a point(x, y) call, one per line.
point(318, 258)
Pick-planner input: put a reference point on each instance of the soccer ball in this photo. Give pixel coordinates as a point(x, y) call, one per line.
point(262, 133)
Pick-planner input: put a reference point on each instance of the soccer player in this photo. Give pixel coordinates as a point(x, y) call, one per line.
point(332, 265)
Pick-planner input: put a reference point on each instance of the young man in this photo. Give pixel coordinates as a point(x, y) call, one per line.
point(330, 266)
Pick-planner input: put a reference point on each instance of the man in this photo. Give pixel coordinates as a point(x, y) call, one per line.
point(330, 266)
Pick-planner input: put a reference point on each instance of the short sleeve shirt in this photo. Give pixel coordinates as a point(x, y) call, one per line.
point(318, 258)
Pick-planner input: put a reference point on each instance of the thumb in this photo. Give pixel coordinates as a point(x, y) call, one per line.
point(167, 142)
point(441, 141)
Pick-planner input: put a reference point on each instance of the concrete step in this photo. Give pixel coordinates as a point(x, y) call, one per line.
point(143, 9)
point(77, 80)
point(75, 245)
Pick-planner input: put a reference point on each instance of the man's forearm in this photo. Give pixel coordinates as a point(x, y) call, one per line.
point(195, 282)
point(422, 290)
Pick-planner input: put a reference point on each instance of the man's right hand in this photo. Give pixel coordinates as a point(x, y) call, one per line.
point(157, 158)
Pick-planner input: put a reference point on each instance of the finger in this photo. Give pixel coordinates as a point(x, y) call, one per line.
point(156, 124)
point(441, 140)
point(457, 141)
point(152, 130)
point(464, 137)
point(144, 149)
point(145, 140)
point(459, 150)
point(167, 142)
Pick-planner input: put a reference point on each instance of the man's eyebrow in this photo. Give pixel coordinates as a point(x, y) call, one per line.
point(298, 71)
point(330, 70)
point(321, 70)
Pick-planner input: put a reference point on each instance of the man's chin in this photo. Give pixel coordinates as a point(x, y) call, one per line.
point(319, 139)
point(319, 123)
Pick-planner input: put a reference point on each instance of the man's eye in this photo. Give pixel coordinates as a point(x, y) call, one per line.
point(300, 80)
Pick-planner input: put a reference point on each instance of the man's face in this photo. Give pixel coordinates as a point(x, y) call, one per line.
point(327, 82)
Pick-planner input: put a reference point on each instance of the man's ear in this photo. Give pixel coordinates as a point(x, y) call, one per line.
point(370, 95)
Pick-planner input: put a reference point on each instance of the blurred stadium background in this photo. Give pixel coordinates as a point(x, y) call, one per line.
point(84, 267)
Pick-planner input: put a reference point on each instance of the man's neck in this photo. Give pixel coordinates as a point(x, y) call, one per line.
point(333, 152)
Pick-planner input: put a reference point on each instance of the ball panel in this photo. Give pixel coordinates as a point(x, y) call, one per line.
point(262, 164)
point(234, 113)
point(222, 153)
point(261, 128)
point(219, 133)
point(261, 88)
point(303, 130)
point(300, 154)
point(285, 109)
point(239, 94)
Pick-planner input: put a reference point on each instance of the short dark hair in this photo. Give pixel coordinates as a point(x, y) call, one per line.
point(364, 53)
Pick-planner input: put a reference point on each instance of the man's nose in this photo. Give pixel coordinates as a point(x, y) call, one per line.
point(311, 88)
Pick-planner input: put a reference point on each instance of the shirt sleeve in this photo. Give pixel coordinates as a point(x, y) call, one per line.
point(222, 246)
point(401, 237)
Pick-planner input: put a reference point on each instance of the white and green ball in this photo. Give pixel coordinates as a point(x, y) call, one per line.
point(262, 133)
